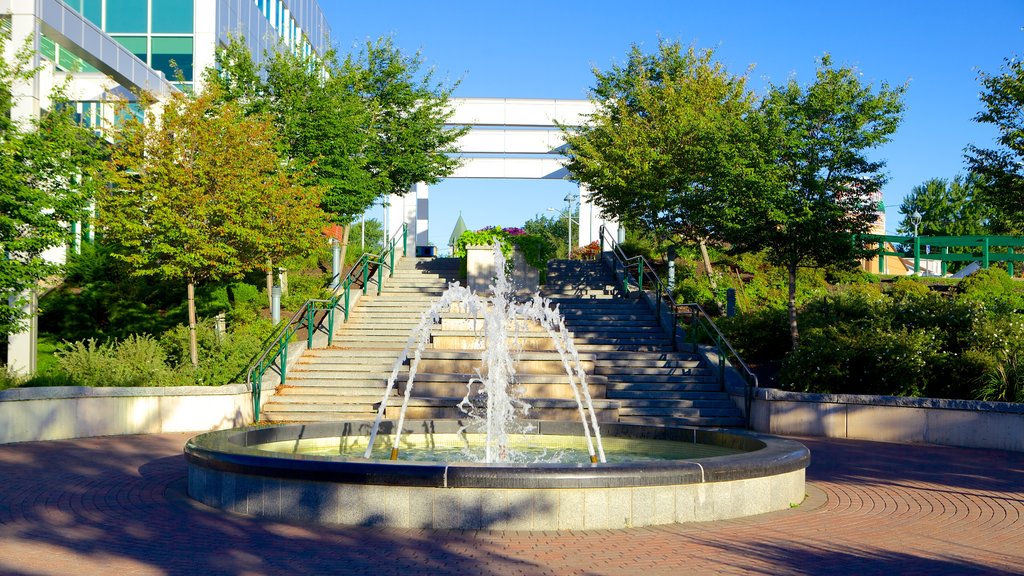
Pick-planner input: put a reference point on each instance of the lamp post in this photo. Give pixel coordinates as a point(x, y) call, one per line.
point(915, 218)
point(568, 216)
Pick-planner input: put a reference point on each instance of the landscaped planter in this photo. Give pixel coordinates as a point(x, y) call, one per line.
point(966, 423)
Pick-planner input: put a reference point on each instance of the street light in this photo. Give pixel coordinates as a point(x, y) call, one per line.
point(915, 218)
point(568, 216)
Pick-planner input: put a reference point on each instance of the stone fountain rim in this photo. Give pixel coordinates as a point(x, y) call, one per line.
point(231, 451)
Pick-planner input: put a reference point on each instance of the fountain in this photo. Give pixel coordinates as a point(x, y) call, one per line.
point(496, 468)
point(500, 415)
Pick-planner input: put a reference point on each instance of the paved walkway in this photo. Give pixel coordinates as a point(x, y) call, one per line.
point(117, 506)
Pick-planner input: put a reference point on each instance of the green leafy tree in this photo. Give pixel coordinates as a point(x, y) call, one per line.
point(46, 170)
point(1001, 170)
point(180, 208)
point(369, 125)
point(947, 208)
point(816, 196)
point(667, 144)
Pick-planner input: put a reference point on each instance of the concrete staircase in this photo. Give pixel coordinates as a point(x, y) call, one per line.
point(348, 379)
point(633, 373)
point(633, 355)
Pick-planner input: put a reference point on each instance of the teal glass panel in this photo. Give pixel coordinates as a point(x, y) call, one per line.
point(92, 10)
point(136, 45)
point(173, 16)
point(171, 55)
point(47, 48)
point(127, 16)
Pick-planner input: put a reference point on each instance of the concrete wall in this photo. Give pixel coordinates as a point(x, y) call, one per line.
point(966, 423)
point(30, 414)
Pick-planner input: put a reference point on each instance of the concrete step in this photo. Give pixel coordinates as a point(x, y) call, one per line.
point(320, 415)
point(711, 393)
point(310, 399)
point(718, 422)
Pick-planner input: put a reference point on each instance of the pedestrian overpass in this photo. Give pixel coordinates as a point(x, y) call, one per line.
point(508, 138)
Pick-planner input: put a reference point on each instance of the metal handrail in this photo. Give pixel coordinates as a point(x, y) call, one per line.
point(699, 318)
point(276, 352)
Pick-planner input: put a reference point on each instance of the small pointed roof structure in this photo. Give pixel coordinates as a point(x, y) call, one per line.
point(460, 227)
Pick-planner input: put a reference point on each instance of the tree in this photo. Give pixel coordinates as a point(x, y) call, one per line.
point(667, 143)
point(947, 208)
point(45, 178)
point(369, 126)
point(182, 208)
point(1001, 170)
point(808, 207)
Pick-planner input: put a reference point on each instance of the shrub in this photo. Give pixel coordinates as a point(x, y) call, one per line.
point(135, 361)
point(483, 237)
point(907, 287)
point(994, 287)
point(760, 335)
point(862, 361)
point(222, 359)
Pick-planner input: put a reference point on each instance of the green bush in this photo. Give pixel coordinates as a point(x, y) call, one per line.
point(137, 360)
point(994, 287)
point(907, 287)
point(862, 361)
point(222, 359)
point(485, 237)
point(760, 335)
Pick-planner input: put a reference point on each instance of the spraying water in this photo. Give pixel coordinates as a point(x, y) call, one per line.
point(493, 399)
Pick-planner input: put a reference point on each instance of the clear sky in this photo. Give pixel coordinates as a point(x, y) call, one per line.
point(548, 49)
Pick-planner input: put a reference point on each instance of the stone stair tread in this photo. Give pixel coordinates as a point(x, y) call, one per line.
point(734, 422)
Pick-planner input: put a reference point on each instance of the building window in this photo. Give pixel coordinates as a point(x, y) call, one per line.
point(137, 45)
point(172, 16)
point(127, 16)
point(172, 54)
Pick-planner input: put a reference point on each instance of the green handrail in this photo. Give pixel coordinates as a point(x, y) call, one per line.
point(987, 249)
point(699, 320)
point(276, 353)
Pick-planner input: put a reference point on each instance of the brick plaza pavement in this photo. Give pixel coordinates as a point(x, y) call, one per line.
point(117, 506)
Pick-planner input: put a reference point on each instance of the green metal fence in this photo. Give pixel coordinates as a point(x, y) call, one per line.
point(318, 315)
point(984, 249)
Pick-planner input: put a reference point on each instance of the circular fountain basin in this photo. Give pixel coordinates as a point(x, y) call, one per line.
point(685, 475)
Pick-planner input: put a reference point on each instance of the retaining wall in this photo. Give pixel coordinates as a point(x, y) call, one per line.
point(60, 412)
point(965, 423)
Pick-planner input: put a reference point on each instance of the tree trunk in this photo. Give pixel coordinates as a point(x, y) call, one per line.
point(269, 283)
point(794, 334)
point(707, 266)
point(344, 245)
point(193, 344)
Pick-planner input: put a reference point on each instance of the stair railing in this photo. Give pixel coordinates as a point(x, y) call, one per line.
point(698, 325)
point(317, 315)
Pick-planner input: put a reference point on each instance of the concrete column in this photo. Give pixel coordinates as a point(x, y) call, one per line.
point(21, 347)
point(591, 220)
point(205, 39)
point(420, 190)
point(24, 29)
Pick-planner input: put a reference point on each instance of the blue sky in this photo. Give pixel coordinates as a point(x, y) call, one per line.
point(534, 49)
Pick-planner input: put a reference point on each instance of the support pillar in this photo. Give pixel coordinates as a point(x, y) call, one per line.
point(591, 220)
point(403, 211)
point(26, 103)
point(21, 347)
point(421, 190)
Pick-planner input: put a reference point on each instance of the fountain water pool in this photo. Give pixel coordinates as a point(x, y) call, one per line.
point(251, 471)
point(340, 473)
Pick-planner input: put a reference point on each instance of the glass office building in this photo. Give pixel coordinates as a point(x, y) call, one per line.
point(175, 38)
point(178, 37)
